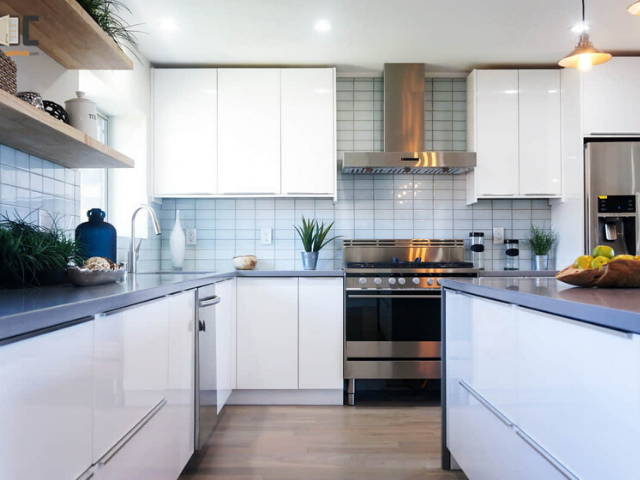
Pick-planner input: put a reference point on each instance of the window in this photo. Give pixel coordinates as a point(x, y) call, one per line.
point(93, 181)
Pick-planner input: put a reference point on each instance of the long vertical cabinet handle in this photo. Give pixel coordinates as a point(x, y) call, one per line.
point(564, 471)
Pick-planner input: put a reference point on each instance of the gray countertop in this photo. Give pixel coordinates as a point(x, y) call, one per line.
point(607, 307)
point(30, 310)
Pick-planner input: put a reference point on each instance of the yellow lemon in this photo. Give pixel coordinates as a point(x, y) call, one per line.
point(583, 261)
point(623, 257)
point(603, 251)
point(599, 262)
point(637, 258)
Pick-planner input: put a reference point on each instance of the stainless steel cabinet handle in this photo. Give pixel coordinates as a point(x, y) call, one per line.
point(547, 456)
point(131, 433)
point(86, 475)
point(486, 403)
point(422, 297)
point(629, 134)
point(209, 301)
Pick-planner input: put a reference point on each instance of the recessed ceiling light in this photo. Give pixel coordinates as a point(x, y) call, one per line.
point(634, 9)
point(322, 26)
point(168, 24)
point(580, 27)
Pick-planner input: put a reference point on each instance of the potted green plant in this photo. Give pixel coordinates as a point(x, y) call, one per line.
point(31, 255)
point(314, 237)
point(541, 242)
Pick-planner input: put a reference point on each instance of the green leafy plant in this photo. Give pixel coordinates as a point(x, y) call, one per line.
point(32, 255)
point(106, 13)
point(541, 240)
point(314, 234)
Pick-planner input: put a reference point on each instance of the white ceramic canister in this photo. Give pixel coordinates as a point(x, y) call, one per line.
point(83, 114)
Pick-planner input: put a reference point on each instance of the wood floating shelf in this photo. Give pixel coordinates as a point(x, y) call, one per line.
point(26, 128)
point(68, 34)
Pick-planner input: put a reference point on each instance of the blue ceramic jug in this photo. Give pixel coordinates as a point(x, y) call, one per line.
point(96, 238)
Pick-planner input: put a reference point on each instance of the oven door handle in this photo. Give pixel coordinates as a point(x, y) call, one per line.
point(423, 297)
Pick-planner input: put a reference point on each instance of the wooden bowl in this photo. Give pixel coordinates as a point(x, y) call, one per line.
point(615, 274)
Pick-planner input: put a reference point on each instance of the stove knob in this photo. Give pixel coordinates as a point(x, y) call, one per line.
point(377, 281)
point(437, 282)
point(430, 281)
point(401, 281)
point(392, 281)
point(415, 280)
point(362, 280)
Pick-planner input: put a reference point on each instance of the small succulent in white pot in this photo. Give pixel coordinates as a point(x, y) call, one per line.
point(314, 237)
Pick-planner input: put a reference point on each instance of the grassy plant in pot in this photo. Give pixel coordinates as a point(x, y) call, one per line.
point(541, 242)
point(314, 237)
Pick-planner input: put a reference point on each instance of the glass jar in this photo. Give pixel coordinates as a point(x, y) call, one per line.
point(477, 249)
point(512, 254)
point(97, 238)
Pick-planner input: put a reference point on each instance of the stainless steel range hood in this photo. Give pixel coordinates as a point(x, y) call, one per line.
point(404, 131)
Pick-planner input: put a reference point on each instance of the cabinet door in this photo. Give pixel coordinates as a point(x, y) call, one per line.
point(46, 400)
point(267, 311)
point(249, 131)
point(611, 97)
point(181, 385)
point(321, 333)
point(130, 370)
point(458, 312)
point(225, 341)
point(308, 131)
point(496, 128)
point(185, 131)
point(540, 128)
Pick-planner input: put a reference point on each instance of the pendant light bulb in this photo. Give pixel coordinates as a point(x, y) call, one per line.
point(585, 55)
point(634, 9)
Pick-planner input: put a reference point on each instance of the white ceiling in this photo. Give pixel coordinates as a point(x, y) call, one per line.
point(447, 35)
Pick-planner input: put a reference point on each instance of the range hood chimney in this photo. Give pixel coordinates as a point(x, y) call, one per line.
point(404, 131)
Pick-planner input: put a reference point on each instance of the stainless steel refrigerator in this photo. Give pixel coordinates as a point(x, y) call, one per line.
point(612, 191)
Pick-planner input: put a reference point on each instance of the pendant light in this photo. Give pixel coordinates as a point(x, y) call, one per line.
point(585, 55)
point(634, 9)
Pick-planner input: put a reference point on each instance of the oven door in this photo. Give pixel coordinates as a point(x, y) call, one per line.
point(392, 325)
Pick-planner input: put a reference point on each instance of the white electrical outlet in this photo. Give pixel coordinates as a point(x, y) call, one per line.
point(266, 236)
point(498, 235)
point(192, 236)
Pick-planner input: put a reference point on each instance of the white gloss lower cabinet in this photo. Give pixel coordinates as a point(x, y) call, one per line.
point(130, 370)
point(321, 336)
point(46, 400)
point(225, 313)
point(267, 316)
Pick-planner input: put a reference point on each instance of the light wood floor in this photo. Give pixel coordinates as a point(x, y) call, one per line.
point(324, 443)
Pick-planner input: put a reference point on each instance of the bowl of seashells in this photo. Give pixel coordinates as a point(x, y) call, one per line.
point(95, 271)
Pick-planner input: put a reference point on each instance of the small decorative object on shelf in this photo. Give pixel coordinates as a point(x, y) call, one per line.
point(314, 237)
point(97, 238)
point(56, 111)
point(244, 262)
point(83, 114)
point(8, 74)
point(32, 98)
point(541, 242)
point(177, 243)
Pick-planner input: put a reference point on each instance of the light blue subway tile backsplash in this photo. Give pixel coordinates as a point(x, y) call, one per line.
point(386, 206)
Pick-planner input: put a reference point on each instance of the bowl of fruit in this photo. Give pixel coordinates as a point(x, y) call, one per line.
point(603, 269)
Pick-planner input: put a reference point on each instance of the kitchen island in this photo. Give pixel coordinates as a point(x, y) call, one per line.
point(541, 380)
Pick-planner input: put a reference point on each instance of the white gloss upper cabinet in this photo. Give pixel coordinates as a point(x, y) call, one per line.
point(267, 310)
point(308, 131)
point(185, 131)
point(249, 131)
point(225, 313)
point(130, 370)
point(492, 131)
point(610, 98)
point(539, 140)
point(320, 333)
point(46, 400)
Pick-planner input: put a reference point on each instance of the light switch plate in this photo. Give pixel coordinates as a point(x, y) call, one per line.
point(498, 235)
point(192, 236)
point(266, 236)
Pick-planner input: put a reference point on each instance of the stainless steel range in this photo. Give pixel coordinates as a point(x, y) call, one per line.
point(392, 303)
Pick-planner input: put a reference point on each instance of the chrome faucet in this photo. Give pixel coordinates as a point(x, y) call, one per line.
point(134, 249)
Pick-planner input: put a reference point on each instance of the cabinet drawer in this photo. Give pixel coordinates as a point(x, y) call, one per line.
point(130, 370)
point(486, 445)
